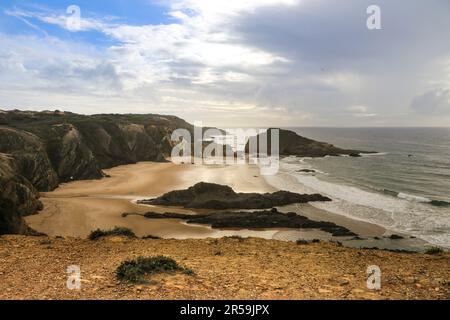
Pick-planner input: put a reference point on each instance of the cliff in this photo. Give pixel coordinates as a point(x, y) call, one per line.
point(18, 198)
point(42, 149)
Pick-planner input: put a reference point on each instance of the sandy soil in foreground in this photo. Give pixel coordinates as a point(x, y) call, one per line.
point(77, 208)
point(35, 268)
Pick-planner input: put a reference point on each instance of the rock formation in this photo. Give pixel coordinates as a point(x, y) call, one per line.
point(215, 196)
point(18, 198)
point(291, 144)
point(258, 219)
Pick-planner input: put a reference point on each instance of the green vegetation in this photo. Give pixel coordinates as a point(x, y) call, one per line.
point(434, 250)
point(150, 237)
point(135, 271)
point(117, 231)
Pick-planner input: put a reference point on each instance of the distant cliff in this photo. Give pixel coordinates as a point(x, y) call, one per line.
point(39, 150)
point(291, 144)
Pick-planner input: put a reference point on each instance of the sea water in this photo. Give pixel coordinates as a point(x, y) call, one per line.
point(404, 187)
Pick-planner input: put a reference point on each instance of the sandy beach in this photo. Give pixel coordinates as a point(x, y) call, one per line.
point(77, 208)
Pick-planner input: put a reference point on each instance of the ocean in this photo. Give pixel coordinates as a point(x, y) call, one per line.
point(404, 187)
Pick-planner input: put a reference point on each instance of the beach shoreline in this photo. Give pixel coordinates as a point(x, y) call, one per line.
point(77, 208)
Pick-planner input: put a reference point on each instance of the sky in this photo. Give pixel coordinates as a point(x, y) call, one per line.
point(231, 63)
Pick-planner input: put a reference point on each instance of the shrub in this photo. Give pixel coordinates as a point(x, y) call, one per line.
point(117, 231)
point(302, 242)
point(434, 250)
point(151, 237)
point(134, 271)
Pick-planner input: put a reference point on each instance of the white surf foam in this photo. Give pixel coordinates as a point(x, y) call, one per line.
point(406, 213)
point(410, 197)
point(373, 154)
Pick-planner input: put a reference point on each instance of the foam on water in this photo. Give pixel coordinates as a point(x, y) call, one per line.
point(410, 197)
point(405, 213)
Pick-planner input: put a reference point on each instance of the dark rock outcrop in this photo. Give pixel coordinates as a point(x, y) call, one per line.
point(215, 196)
point(291, 143)
point(18, 198)
point(29, 156)
point(307, 171)
point(259, 219)
point(396, 237)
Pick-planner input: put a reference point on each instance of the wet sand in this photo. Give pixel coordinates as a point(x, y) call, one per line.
point(77, 208)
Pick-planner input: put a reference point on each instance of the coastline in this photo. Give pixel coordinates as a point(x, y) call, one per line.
point(77, 208)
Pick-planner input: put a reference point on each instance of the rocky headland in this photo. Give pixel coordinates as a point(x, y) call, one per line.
point(292, 144)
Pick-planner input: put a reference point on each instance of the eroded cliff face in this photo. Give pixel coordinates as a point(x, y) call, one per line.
point(18, 198)
point(42, 149)
point(30, 157)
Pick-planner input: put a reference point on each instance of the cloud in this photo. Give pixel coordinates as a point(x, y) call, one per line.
point(60, 19)
point(280, 62)
point(434, 102)
point(358, 109)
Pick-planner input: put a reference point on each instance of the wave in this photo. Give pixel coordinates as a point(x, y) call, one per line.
point(399, 212)
point(413, 198)
point(419, 199)
point(373, 154)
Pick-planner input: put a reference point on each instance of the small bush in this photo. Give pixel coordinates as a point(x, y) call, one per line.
point(302, 242)
point(117, 231)
point(150, 237)
point(134, 271)
point(434, 250)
